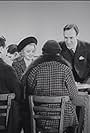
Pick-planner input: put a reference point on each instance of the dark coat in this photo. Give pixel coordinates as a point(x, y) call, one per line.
point(80, 61)
point(8, 80)
point(10, 84)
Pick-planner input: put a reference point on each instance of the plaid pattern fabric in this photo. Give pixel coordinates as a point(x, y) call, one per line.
point(54, 79)
point(19, 66)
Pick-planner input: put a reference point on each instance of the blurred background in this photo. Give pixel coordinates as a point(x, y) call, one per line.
point(43, 19)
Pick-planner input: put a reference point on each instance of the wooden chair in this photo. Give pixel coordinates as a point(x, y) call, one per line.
point(5, 104)
point(35, 101)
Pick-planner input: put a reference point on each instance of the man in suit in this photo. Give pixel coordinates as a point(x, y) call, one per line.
point(77, 53)
point(10, 84)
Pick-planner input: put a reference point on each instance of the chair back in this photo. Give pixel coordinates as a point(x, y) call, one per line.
point(5, 105)
point(45, 113)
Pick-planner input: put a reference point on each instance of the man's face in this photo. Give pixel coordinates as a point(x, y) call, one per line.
point(29, 51)
point(70, 38)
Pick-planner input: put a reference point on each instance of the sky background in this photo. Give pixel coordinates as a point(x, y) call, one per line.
point(44, 20)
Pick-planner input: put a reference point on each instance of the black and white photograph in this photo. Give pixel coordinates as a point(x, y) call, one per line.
point(44, 66)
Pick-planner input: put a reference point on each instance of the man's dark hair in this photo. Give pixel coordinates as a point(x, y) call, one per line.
point(2, 41)
point(70, 26)
point(12, 48)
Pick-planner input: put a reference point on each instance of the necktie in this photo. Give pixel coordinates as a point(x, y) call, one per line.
point(72, 52)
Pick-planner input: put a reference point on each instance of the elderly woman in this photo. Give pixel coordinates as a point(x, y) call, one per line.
point(49, 75)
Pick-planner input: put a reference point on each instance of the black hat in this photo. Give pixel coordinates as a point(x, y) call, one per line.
point(51, 47)
point(12, 48)
point(25, 42)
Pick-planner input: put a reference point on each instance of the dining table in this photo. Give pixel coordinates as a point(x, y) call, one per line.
point(83, 89)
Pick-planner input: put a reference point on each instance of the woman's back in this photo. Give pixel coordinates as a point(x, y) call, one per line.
point(54, 79)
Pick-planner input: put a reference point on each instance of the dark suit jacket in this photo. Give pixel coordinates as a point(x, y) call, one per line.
point(81, 60)
point(8, 80)
point(10, 84)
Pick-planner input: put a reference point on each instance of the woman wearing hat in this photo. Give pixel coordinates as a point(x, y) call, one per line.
point(26, 49)
point(50, 75)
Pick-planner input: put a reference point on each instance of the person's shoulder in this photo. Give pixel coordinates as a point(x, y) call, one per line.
point(65, 68)
point(66, 62)
point(62, 44)
point(84, 43)
point(36, 61)
point(7, 68)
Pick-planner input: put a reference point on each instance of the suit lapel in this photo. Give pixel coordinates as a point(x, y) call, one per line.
point(80, 59)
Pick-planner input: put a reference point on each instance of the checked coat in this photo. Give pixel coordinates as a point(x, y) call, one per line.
point(49, 76)
point(19, 66)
